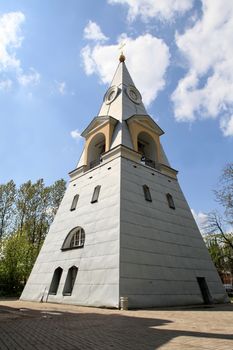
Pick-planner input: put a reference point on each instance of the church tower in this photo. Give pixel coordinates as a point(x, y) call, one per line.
point(124, 228)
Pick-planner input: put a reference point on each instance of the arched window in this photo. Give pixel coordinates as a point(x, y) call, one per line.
point(95, 149)
point(95, 195)
point(147, 148)
point(74, 202)
point(170, 201)
point(74, 239)
point(55, 281)
point(147, 194)
point(70, 280)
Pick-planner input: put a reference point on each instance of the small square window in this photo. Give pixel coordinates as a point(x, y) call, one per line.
point(74, 202)
point(147, 194)
point(95, 195)
point(170, 201)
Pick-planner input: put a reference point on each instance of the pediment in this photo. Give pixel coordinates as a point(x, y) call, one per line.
point(146, 121)
point(97, 122)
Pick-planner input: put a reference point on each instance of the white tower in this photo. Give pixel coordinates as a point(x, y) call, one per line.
point(124, 227)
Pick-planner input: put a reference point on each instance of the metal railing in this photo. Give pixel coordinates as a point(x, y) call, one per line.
point(95, 162)
point(149, 162)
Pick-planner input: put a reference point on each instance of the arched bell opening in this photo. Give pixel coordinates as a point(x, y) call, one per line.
point(148, 149)
point(95, 150)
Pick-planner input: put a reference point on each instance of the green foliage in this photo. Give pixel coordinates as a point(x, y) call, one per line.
point(57, 191)
point(221, 225)
point(18, 258)
point(25, 215)
point(220, 252)
point(224, 194)
point(218, 231)
point(7, 199)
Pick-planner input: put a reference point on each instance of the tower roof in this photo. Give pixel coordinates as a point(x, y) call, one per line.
point(122, 99)
point(122, 104)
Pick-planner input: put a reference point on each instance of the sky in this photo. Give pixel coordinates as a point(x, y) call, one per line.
point(58, 57)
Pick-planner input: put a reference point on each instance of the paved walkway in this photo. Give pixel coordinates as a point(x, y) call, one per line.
point(25, 325)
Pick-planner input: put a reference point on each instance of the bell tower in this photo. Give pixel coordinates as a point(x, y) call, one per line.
point(124, 228)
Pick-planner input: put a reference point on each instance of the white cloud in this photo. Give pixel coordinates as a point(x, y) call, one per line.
point(93, 32)
point(61, 87)
point(207, 89)
point(32, 78)
point(226, 125)
point(10, 39)
point(102, 60)
point(200, 218)
point(5, 85)
point(75, 134)
point(160, 9)
point(89, 63)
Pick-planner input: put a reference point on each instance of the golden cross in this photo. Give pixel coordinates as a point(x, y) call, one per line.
point(121, 47)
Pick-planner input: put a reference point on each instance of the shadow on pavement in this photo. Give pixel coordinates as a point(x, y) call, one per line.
point(200, 307)
point(49, 329)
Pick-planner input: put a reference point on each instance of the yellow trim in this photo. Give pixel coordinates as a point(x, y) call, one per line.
point(107, 130)
point(136, 127)
point(168, 171)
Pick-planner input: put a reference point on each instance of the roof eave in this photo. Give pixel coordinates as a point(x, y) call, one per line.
point(160, 131)
point(102, 119)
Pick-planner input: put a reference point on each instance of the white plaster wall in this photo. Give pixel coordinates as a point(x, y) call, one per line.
point(121, 135)
point(143, 250)
point(161, 249)
point(97, 281)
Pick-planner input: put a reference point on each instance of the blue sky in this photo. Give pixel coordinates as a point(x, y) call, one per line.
point(57, 58)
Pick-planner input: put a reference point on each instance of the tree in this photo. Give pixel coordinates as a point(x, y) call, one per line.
point(36, 206)
point(57, 191)
point(216, 225)
point(7, 198)
point(17, 261)
point(219, 235)
point(221, 253)
point(25, 215)
point(222, 224)
point(224, 195)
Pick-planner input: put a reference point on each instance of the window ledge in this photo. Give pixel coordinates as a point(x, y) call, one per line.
point(70, 248)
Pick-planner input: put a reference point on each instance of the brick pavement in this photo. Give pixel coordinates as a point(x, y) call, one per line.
point(25, 325)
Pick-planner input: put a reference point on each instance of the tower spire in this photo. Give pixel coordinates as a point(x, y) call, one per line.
point(122, 56)
point(122, 99)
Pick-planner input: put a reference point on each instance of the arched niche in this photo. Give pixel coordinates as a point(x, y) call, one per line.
point(148, 149)
point(55, 281)
point(70, 280)
point(95, 149)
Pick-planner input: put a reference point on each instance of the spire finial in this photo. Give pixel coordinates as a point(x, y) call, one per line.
point(122, 56)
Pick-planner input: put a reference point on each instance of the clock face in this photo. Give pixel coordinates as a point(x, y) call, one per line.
point(133, 94)
point(111, 94)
